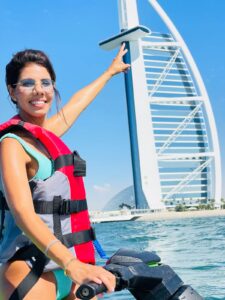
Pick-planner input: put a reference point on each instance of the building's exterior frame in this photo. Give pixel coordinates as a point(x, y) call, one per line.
point(174, 142)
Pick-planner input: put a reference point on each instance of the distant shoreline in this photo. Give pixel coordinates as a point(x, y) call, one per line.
point(136, 215)
point(182, 214)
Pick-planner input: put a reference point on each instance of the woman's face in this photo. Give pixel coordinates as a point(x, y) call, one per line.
point(34, 91)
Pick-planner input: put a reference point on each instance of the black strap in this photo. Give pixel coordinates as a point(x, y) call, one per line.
point(38, 263)
point(32, 277)
point(12, 128)
point(3, 207)
point(65, 207)
point(77, 238)
point(32, 185)
point(3, 203)
point(79, 165)
point(57, 228)
point(71, 159)
point(26, 253)
point(40, 260)
point(63, 161)
point(70, 239)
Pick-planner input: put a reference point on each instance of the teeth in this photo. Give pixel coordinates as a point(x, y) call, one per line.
point(37, 102)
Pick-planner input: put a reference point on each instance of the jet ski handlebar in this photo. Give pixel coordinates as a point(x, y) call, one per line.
point(145, 277)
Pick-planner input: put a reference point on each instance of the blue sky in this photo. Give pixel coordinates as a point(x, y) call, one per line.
point(69, 32)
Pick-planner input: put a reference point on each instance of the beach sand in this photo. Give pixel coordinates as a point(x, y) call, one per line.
point(180, 215)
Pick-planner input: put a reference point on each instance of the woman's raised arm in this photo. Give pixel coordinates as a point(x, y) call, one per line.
point(62, 121)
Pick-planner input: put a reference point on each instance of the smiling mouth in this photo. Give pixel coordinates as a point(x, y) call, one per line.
point(37, 102)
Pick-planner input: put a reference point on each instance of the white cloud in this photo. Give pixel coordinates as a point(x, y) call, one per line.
point(106, 187)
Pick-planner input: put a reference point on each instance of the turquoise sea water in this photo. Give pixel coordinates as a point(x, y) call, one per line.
point(194, 248)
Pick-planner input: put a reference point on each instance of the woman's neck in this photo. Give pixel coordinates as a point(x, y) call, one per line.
point(40, 121)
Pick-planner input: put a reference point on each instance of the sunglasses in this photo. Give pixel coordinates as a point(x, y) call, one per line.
point(29, 84)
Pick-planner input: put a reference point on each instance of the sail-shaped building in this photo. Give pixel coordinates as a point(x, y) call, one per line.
point(174, 143)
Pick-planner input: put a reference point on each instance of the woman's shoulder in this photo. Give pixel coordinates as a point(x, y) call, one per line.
point(11, 146)
point(10, 139)
point(9, 135)
point(20, 136)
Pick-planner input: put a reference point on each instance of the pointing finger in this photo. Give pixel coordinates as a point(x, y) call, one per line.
point(122, 51)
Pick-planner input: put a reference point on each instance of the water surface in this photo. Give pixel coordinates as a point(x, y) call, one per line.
point(194, 248)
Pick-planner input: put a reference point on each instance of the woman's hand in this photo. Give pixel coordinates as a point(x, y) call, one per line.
point(117, 64)
point(82, 273)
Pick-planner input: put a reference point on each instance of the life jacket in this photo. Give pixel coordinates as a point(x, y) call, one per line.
point(59, 201)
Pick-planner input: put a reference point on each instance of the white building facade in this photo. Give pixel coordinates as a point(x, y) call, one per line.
point(174, 143)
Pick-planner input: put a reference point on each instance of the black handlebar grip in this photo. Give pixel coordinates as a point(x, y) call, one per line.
point(89, 290)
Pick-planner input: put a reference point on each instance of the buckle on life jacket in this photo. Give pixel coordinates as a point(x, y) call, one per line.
point(64, 208)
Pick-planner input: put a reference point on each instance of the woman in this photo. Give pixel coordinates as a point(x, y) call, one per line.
point(24, 159)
